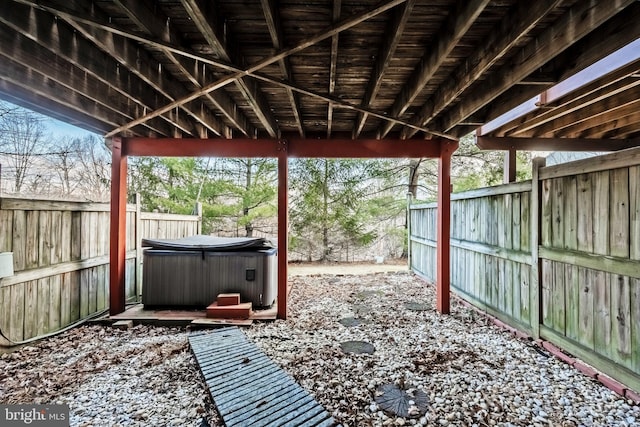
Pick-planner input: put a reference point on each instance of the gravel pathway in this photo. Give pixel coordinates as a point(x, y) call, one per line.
point(471, 372)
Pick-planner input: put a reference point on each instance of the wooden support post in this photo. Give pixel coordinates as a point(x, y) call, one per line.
point(443, 248)
point(138, 234)
point(118, 230)
point(283, 227)
point(509, 166)
point(536, 268)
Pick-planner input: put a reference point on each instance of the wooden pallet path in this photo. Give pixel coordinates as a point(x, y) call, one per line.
point(248, 388)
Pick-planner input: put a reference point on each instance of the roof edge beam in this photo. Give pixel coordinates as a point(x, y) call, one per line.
point(554, 144)
point(295, 147)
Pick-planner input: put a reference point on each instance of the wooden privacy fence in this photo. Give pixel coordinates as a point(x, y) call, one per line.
point(61, 260)
point(557, 257)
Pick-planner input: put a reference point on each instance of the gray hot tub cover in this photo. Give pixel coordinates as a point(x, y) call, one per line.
point(209, 243)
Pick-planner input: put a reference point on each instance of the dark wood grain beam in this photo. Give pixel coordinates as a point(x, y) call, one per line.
point(58, 38)
point(153, 22)
point(272, 17)
point(392, 38)
point(333, 64)
point(454, 27)
point(516, 24)
point(254, 68)
point(201, 15)
point(554, 144)
point(581, 19)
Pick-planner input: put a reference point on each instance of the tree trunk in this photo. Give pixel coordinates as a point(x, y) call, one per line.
point(248, 227)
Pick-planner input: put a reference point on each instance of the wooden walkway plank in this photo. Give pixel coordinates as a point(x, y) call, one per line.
point(248, 388)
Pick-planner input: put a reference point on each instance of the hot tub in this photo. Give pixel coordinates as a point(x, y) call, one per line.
point(191, 272)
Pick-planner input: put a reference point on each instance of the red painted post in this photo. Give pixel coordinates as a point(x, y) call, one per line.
point(509, 171)
point(283, 227)
point(118, 228)
point(444, 230)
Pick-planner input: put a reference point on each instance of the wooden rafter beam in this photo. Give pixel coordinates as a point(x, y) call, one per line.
point(64, 94)
point(582, 87)
point(393, 35)
point(581, 19)
point(455, 26)
point(550, 113)
point(591, 115)
point(554, 144)
point(139, 62)
point(201, 15)
point(65, 43)
point(296, 147)
point(154, 23)
point(621, 125)
point(508, 33)
point(28, 99)
point(333, 64)
point(341, 26)
point(272, 17)
point(598, 116)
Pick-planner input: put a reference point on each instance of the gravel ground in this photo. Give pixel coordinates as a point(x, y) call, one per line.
point(472, 372)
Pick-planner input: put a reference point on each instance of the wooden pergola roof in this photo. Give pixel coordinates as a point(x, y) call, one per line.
point(321, 69)
point(325, 78)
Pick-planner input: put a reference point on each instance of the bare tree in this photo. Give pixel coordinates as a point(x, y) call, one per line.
point(94, 168)
point(21, 136)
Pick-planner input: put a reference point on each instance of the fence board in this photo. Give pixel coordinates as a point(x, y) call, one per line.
point(19, 240)
point(572, 296)
point(619, 213)
point(44, 238)
point(584, 208)
point(621, 320)
point(601, 213)
point(586, 307)
point(30, 306)
point(6, 231)
point(16, 327)
point(43, 306)
point(570, 214)
point(602, 314)
point(634, 284)
point(55, 293)
point(634, 213)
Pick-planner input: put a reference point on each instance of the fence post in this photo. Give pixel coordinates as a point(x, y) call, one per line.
point(535, 288)
point(409, 197)
point(138, 236)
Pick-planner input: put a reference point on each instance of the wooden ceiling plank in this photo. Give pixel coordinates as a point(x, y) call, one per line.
point(455, 26)
point(272, 17)
point(515, 25)
point(571, 27)
point(554, 144)
point(68, 45)
point(342, 26)
point(387, 50)
point(201, 15)
point(153, 22)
